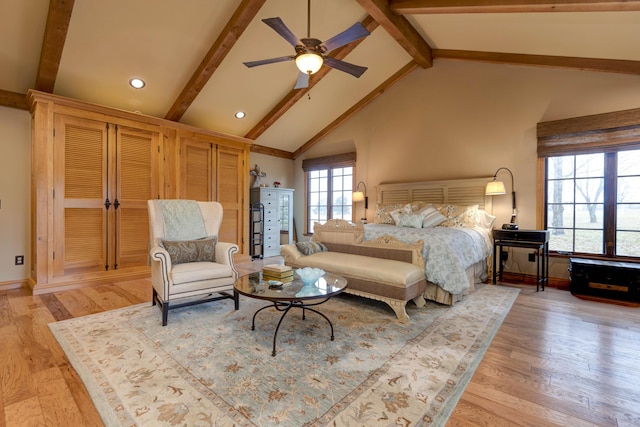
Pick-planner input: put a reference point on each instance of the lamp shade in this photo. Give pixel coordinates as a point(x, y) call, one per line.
point(308, 62)
point(358, 196)
point(494, 188)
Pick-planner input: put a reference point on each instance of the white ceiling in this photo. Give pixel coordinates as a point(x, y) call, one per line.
point(164, 41)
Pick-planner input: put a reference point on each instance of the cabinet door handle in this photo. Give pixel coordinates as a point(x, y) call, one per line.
point(107, 204)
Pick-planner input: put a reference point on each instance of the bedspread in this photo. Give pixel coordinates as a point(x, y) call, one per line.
point(447, 251)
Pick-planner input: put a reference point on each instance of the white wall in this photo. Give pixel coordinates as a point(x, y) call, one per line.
point(15, 160)
point(276, 168)
point(462, 119)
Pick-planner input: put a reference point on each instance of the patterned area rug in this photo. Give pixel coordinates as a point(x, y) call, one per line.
point(206, 367)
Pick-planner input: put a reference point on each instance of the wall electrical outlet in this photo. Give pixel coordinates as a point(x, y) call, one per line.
point(532, 257)
point(19, 259)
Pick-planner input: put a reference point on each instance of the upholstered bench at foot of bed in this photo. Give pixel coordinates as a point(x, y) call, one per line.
point(369, 273)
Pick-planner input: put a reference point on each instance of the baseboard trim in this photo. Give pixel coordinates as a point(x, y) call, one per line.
point(13, 284)
point(46, 288)
point(528, 279)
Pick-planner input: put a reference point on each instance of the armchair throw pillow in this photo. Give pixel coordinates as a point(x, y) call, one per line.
point(184, 251)
point(309, 248)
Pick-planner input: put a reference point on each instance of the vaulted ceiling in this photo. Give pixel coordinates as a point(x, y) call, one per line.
point(191, 54)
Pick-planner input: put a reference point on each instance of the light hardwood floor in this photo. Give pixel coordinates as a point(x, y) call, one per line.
point(556, 360)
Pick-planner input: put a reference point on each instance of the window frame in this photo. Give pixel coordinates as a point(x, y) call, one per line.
point(326, 163)
point(608, 133)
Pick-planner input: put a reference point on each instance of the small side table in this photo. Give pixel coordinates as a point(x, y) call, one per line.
point(531, 239)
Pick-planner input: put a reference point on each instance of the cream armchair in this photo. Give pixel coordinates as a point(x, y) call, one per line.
point(187, 266)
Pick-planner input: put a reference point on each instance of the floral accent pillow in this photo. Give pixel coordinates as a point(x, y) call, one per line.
point(396, 213)
point(185, 251)
point(410, 220)
point(459, 216)
point(419, 205)
point(383, 213)
point(309, 248)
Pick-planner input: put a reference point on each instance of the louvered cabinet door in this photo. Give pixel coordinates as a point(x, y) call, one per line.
point(80, 170)
point(136, 181)
point(196, 170)
point(230, 193)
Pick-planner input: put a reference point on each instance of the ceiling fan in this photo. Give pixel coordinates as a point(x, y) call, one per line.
point(311, 53)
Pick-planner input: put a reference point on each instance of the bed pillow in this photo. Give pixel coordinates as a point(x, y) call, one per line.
point(419, 205)
point(459, 216)
point(383, 216)
point(396, 213)
point(412, 220)
point(184, 251)
point(310, 248)
point(431, 217)
point(484, 219)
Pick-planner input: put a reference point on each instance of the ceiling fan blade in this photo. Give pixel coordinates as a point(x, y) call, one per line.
point(354, 70)
point(268, 61)
point(354, 32)
point(279, 27)
point(303, 81)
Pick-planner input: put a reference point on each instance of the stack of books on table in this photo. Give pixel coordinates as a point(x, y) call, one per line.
point(282, 273)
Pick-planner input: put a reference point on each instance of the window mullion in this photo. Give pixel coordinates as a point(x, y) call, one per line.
point(330, 194)
point(610, 202)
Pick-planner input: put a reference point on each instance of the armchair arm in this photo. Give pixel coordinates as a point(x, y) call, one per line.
point(160, 254)
point(160, 268)
point(224, 255)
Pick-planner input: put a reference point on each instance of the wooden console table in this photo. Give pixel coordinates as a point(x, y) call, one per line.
point(531, 239)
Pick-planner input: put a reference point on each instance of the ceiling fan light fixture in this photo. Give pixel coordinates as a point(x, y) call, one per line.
point(309, 62)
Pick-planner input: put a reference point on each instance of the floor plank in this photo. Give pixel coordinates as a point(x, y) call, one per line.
point(556, 360)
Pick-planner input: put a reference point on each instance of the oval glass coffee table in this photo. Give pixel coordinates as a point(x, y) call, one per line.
point(290, 295)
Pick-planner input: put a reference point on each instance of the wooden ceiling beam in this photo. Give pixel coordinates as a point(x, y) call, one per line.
point(55, 34)
point(228, 37)
point(587, 64)
point(417, 7)
point(275, 152)
point(13, 100)
point(357, 107)
point(401, 30)
point(296, 94)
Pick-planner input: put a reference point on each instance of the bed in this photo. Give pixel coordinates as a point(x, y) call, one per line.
point(455, 253)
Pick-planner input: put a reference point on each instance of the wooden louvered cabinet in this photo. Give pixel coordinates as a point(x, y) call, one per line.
point(92, 177)
point(211, 169)
point(104, 173)
point(93, 170)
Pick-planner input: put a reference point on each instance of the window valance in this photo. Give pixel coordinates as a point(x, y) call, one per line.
point(614, 131)
point(336, 161)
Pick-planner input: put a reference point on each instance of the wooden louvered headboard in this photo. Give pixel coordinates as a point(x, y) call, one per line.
point(462, 192)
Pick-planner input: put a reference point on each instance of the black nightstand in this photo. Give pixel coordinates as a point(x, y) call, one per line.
point(531, 239)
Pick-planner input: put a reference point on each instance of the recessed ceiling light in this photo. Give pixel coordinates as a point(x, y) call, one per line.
point(137, 83)
point(240, 115)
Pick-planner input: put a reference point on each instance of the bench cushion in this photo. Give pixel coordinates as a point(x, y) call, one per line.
point(393, 273)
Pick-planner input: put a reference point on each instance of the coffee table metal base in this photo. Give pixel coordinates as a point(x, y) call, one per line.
point(284, 307)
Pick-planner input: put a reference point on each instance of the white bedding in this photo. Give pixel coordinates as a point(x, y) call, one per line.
point(447, 251)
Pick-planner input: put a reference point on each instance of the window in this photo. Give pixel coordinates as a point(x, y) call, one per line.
point(329, 191)
point(329, 188)
point(593, 203)
point(592, 184)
